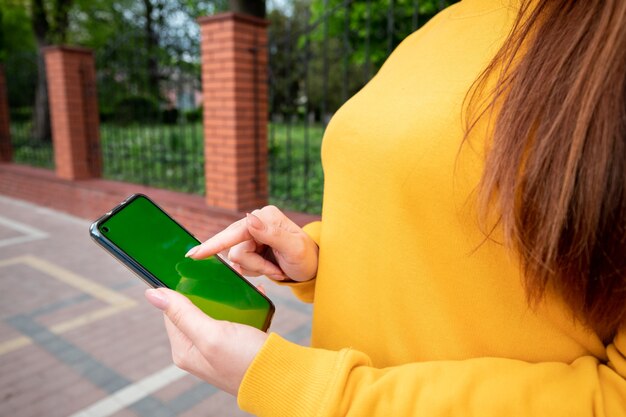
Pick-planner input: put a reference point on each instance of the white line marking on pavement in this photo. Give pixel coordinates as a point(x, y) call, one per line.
point(28, 233)
point(132, 393)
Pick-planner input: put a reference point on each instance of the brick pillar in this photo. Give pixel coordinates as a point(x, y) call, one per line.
point(6, 151)
point(73, 112)
point(234, 88)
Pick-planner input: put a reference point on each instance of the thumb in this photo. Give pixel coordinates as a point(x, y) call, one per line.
point(188, 318)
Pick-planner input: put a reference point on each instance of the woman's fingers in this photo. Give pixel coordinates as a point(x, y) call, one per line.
point(273, 228)
point(217, 351)
point(292, 253)
point(227, 238)
point(197, 327)
point(294, 250)
point(251, 263)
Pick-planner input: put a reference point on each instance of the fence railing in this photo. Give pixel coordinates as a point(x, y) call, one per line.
point(320, 53)
point(151, 122)
point(32, 145)
point(26, 149)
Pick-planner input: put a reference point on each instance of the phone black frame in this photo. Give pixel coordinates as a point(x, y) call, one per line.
point(138, 269)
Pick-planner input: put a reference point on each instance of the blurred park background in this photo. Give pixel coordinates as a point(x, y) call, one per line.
point(148, 65)
point(212, 108)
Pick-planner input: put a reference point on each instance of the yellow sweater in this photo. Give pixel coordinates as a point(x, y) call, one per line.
point(413, 316)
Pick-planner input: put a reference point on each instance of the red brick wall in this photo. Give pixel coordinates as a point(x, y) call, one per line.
point(91, 198)
point(234, 83)
point(6, 153)
point(234, 76)
point(73, 111)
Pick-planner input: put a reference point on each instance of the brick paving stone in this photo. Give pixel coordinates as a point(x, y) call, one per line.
point(138, 366)
point(71, 311)
point(49, 382)
point(83, 394)
point(124, 413)
point(23, 364)
point(31, 287)
point(193, 396)
point(8, 233)
point(287, 321)
point(219, 404)
point(134, 350)
point(59, 374)
point(176, 388)
point(62, 403)
point(7, 333)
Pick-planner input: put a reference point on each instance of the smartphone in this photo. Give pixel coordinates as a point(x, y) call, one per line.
point(150, 243)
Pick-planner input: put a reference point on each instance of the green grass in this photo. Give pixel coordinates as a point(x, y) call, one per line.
point(172, 157)
point(296, 179)
point(28, 151)
point(162, 156)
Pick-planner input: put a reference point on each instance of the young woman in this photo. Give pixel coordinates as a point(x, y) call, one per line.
point(471, 258)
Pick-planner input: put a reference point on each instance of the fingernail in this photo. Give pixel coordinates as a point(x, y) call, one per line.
point(191, 251)
point(255, 222)
point(156, 298)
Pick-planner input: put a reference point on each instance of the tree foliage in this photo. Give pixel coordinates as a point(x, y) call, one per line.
point(144, 48)
point(17, 52)
point(324, 51)
point(321, 51)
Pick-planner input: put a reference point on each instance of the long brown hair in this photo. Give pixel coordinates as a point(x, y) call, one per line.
point(555, 171)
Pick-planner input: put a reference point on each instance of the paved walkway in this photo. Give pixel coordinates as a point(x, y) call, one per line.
point(77, 337)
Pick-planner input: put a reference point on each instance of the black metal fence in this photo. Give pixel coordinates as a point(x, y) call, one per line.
point(150, 115)
point(321, 53)
point(30, 126)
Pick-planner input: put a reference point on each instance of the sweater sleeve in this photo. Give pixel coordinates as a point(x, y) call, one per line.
point(314, 230)
point(289, 380)
point(305, 290)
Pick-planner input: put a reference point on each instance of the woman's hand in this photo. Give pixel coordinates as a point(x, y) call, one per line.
point(266, 242)
point(218, 352)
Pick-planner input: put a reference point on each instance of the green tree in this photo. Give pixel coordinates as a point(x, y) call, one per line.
point(17, 52)
point(251, 7)
point(324, 51)
point(374, 27)
point(137, 45)
point(141, 47)
point(287, 59)
point(28, 26)
point(50, 22)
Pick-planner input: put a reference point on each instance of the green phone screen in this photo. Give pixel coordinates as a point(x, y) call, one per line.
point(151, 238)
